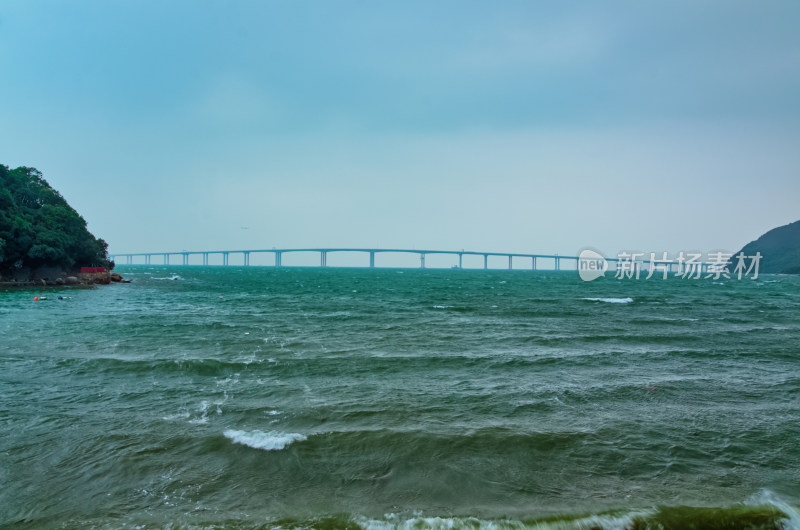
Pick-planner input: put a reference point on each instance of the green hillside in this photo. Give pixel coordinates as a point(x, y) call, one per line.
point(39, 229)
point(779, 248)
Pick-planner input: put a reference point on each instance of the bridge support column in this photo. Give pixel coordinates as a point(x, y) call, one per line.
point(323, 258)
point(533, 263)
point(166, 259)
point(205, 258)
point(225, 258)
point(485, 261)
point(185, 257)
point(460, 260)
point(509, 262)
point(147, 259)
point(246, 259)
point(130, 258)
point(277, 259)
point(558, 264)
point(371, 260)
point(422, 261)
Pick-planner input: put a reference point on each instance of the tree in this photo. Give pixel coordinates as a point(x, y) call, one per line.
point(39, 228)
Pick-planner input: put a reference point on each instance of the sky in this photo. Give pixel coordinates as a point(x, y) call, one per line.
point(513, 126)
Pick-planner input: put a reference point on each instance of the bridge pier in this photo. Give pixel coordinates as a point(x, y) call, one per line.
point(185, 257)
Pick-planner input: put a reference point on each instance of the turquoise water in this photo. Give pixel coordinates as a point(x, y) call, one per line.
point(400, 398)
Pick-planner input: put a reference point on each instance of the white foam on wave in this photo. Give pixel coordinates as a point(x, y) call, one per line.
point(205, 407)
point(611, 300)
point(393, 521)
point(203, 418)
point(229, 381)
point(792, 519)
point(268, 441)
point(179, 416)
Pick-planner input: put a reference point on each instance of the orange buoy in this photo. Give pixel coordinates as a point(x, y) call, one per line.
point(35, 298)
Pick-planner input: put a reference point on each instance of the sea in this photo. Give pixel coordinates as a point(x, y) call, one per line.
point(263, 397)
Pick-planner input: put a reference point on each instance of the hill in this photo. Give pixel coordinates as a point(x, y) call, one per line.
point(40, 234)
point(779, 248)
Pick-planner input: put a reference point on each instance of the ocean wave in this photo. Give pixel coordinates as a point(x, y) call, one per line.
point(768, 498)
point(183, 415)
point(411, 443)
point(611, 300)
point(268, 441)
point(609, 521)
point(192, 366)
point(762, 516)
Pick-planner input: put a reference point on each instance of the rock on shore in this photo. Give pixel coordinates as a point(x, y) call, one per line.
point(61, 278)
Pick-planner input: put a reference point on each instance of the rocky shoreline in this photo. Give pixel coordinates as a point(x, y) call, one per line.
point(63, 279)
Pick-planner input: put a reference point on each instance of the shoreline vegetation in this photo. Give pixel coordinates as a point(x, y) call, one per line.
point(43, 240)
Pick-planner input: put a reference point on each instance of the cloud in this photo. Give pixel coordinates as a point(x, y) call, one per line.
point(232, 101)
point(536, 46)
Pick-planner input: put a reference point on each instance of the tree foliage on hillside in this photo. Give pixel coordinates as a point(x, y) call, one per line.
point(779, 248)
point(38, 228)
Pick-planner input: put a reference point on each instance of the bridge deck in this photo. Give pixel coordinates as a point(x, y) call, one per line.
point(278, 253)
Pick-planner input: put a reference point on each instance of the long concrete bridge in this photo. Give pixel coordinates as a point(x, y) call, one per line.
point(537, 261)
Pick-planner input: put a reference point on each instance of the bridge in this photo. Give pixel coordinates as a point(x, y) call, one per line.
point(537, 261)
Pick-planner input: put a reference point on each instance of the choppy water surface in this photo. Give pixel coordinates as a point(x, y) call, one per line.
point(382, 398)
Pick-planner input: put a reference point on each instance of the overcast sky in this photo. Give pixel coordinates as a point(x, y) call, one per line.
point(508, 126)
